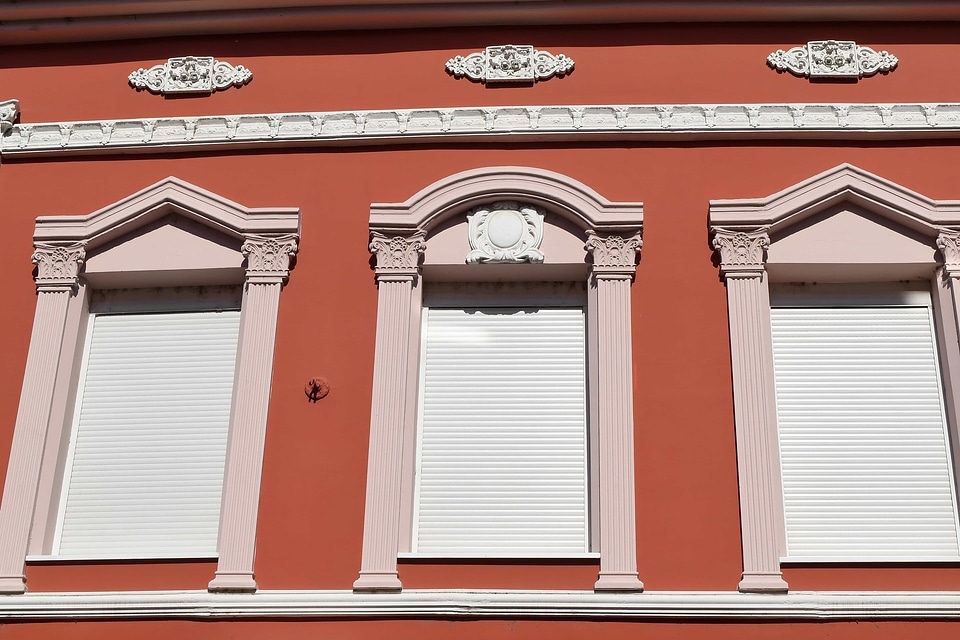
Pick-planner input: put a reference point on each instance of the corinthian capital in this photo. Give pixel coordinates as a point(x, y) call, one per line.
point(741, 251)
point(613, 253)
point(949, 244)
point(268, 258)
point(58, 265)
point(9, 110)
point(399, 255)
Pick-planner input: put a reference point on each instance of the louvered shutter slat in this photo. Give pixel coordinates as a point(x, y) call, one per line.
point(146, 471)
point(867, 473)
point(502, 439)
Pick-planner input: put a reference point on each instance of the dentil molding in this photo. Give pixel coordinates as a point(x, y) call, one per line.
point(509, 63)
point(435, 125)
point(190, 74)
point(505, 231)
point(832, 59)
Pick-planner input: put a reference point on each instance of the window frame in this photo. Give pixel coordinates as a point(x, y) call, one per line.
point(231, 244)
point(609, 233)
point(745, 235)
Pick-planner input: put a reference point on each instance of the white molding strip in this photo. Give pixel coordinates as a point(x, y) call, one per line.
point(406, 126)
point(486, 604)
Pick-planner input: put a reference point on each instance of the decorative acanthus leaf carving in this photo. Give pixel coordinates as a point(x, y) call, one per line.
point(190, 74)
point(832, 59)
point(613, 252)
point(397, 254)
point(268, 257)
point(509, 63)
point(949, 244)
point(505, 231)
point(741, 251)
point(9, 110)
point(58, 264)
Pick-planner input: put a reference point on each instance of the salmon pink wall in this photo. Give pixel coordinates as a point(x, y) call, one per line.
point(314, 471)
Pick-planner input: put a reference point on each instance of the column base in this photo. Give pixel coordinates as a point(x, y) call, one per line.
point(618, 582)
point(12, 585)
point(762, 583)
point(228, 582)
point(377, 581)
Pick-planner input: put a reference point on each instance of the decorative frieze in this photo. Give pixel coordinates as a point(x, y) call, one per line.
point(269, 257)
point(433, 126)
point(832, 59)
point(58, 265)
point(509, 63)
point(190, 74)
point(505, 231)
point(397, 254)
point(741, 251)
point(613, 252)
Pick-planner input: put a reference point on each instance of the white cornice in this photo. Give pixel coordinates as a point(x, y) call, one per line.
point(71, 21)
point(488, 604)
point(662, 123)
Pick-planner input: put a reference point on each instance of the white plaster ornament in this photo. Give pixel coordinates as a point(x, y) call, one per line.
point(190, 74)
point(505, 232)
point(832, 59)
point(509, 63)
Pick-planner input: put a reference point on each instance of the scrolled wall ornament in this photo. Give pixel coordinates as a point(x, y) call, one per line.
point(509, 63)
point(741, 251)
point(190, 74)
point(397, 254)
point(58, 265)
point(832, 59)
point(505, 232)
point(9, 110)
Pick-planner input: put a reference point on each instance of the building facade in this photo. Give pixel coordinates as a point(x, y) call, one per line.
point(480, 319)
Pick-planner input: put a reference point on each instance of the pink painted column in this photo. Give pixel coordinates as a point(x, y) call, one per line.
point(268, 263)
point(397, 270)
point(614, 263)
point(57, 270)
point(755, 414)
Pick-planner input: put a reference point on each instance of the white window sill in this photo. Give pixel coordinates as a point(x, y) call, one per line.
point(868, 560)
point(412, 555)
point(138, 557)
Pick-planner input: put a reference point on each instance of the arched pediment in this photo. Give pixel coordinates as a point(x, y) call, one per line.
point(458, 193)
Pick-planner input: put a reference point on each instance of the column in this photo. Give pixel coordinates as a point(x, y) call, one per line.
point(58, 266)
point(755, 417)
point(398, 260)
point(614, 260)
point(268, 264)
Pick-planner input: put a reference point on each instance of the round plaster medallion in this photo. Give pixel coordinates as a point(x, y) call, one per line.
point(505, 231)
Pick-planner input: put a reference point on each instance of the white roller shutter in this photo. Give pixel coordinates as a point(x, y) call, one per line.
point(867, 470)
point(145, 471)
point(502, 468)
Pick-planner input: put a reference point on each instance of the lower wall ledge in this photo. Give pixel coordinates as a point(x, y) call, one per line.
point(714, 605)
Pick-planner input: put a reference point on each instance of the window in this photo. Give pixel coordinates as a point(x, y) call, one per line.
point(845, 390)
point(171, 264)
point(455, 267)
point(502, 428)
point(144, 467)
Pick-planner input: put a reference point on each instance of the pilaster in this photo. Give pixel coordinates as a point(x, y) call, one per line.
point(614, 264)
point(742, 256)
point(397, 269)
point(268, 265)
point(58, 267)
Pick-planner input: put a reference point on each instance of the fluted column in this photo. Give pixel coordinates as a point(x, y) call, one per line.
point(614, 260)
point(397, 268)
point(751, 352)
point(58, 266)
point(268, 263)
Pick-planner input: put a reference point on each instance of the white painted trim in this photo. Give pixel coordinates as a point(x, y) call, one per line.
point(430, 125)
point(662, 605)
